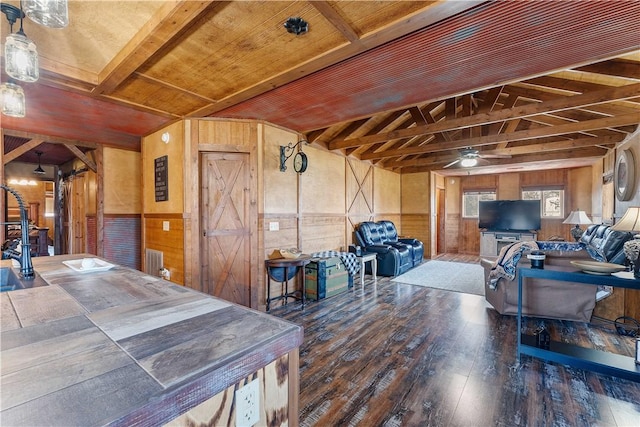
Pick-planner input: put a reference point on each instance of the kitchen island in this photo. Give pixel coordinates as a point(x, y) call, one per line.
point(120, 347)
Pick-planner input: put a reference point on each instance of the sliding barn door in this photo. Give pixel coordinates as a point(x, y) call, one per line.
point(226, 250)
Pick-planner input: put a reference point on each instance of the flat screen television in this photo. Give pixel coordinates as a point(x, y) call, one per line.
point(509, 215)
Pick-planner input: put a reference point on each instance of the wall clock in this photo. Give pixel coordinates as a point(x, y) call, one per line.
point(625, 175)
point(300, 162)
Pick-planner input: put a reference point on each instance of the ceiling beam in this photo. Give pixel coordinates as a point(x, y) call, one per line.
point(544, 147)
point(19, 151)
point(565, 103)
point(623, 120)
point(437, 11)
point(579, 153)
point(50, 139)
point(336, 20)
point(85, 159)
point(170, 20)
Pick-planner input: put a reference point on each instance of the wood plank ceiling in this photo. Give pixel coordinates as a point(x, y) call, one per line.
point(405, 85)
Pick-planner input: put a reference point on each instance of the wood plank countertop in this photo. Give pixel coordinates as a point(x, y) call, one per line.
point(120, 347)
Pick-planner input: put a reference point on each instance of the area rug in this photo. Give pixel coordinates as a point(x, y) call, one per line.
point(451, 276)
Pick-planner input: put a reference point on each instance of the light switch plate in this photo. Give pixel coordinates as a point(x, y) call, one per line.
point(165, 225)
point(274, 226)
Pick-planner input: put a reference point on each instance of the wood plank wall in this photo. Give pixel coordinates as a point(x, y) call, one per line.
point(157, 215)
point(318, 210)
point(576, 182)
point(122, 206)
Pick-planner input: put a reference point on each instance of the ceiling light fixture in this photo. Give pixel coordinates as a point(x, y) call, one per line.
point(13, 101)
point(50, 13)
point(296, 26)
point(21, 57)
point(468, 162)
point(39, 170)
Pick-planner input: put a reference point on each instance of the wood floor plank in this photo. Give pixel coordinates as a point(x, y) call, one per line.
point(391, 354)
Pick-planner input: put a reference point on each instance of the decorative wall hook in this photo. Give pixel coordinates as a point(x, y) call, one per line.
point(286, 152)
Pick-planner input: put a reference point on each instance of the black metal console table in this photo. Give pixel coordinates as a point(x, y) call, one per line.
point(569, 354)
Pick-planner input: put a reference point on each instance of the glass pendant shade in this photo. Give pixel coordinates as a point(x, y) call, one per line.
point(50, 13)
point(13, 101)
point(21, 58)
point(468, 163)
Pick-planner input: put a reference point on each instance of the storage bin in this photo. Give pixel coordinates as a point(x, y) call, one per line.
point(326, 277)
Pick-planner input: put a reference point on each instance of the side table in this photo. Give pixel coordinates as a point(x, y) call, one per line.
point(368, 257)
point(287, 264)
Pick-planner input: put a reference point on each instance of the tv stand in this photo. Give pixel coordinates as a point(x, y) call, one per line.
point(492, 241)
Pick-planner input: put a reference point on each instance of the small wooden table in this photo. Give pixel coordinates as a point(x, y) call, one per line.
point(287, 263)
point(368, 257)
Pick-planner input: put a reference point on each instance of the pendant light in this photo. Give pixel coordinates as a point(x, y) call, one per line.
point(39, 170)
point(50, 13)
point(13, 101)
point(21, 57)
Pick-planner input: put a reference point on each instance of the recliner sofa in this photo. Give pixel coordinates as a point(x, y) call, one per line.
point(394, 255)
point(415, 246)
point(553, 299)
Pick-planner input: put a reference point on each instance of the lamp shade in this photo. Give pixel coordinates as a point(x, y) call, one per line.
point(630, 221)
point(50, 13)
point(467, 163)
point(13, 102)
point(21, 58)
point(577, 217)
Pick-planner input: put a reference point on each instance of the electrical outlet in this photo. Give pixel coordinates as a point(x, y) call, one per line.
point(248, 404)
point(165, 225)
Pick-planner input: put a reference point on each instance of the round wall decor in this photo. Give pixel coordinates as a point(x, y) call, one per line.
point(625, 175)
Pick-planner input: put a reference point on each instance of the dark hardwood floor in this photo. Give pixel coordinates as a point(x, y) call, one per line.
point(391, 354)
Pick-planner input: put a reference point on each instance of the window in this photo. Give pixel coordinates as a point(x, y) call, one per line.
point(471, 200)
point(551, 201)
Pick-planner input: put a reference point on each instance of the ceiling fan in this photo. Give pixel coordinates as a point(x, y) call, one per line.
point(470, 157)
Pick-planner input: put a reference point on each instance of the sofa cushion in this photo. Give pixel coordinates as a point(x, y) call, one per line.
point(603, 239)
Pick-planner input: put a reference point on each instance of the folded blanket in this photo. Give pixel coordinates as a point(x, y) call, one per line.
point(348, 259)
point(505, 265)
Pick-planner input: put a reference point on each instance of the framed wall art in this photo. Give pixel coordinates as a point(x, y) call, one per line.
point(625, 175)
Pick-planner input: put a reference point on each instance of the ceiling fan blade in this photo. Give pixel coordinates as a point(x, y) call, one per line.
point(451, 164)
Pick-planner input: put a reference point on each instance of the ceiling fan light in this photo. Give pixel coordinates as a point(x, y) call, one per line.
point(13, 101)
point(468, 163)
point(50, 13)
point(21, 58)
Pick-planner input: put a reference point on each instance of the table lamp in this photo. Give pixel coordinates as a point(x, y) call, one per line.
point(578, 218)
point(631, 222)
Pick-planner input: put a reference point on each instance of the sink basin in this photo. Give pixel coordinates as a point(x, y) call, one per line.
point(10, 280)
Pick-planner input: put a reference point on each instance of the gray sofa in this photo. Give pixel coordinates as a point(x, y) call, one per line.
point(553, 299)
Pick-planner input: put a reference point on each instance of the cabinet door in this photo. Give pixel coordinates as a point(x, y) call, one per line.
point(488, 244)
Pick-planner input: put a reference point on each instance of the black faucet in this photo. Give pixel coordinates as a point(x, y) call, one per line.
point(24, 257)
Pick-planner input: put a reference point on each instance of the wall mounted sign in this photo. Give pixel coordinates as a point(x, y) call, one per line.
point(161, 178)
point(625, 175)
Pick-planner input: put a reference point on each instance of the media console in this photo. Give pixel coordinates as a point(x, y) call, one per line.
point(492, 241)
